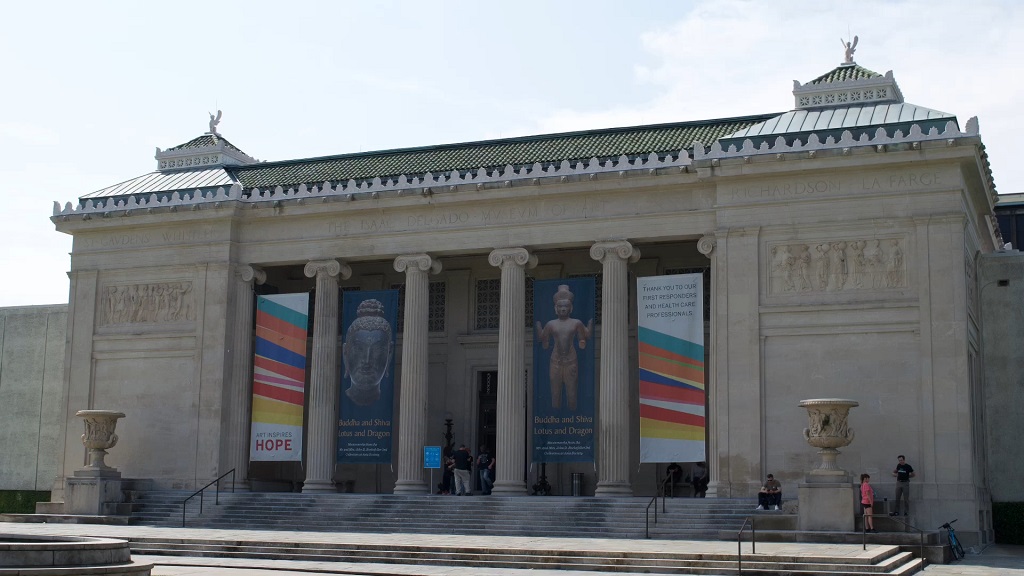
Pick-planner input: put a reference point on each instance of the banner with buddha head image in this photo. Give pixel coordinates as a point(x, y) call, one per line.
point(366, 399)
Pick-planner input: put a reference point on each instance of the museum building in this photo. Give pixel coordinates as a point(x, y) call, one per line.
point(838, 245)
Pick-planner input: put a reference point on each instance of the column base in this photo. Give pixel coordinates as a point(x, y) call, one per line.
point(509, 488)
point(411, 487)
point(318, 487)
point(613, 490)
point(242, 486)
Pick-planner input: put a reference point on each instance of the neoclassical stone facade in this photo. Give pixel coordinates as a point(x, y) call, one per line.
point(838, 241)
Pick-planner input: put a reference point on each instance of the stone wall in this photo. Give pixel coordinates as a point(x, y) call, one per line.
point(1003, 332)
point(31, 384)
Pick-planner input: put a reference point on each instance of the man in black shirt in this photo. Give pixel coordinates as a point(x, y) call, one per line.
point(903, 473)
point(463, 464)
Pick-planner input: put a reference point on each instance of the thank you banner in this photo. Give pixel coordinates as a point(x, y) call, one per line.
point(563, 370)
point(366, 401)
point(670, 336)
point(279, 377)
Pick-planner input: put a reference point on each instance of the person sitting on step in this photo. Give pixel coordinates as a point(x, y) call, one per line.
point(770, 496)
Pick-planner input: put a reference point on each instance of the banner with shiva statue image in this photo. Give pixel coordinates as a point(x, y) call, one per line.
point(366, 399)
point(563, 370)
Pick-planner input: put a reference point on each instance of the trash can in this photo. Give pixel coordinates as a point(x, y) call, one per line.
point(577, 483)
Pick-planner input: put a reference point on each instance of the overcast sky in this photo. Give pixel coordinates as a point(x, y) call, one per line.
point(90, 89)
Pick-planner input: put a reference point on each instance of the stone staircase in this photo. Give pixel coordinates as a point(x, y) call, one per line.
point(549, 516)
point(888, 560)
point(564, 533)
point(682, 518)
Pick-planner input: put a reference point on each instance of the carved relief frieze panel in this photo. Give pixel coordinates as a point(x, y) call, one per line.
point(155, 303)
point(837, 266)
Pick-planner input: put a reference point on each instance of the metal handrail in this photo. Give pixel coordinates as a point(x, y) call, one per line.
point(647, 512)
point(200, 494)
point(864, 533)
point(739, 542)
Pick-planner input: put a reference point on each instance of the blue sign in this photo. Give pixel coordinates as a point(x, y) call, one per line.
point(431, 456)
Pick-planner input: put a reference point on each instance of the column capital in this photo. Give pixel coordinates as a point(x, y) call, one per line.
point(512, 257)
point(706, 245)
point(421, 262)
point(329, 267)
point(248, 273)
point(621, 249)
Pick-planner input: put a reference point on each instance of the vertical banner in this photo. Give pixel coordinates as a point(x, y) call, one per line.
point(279, 377)
point(670, 335)
point(366, 401)
point(563, 370)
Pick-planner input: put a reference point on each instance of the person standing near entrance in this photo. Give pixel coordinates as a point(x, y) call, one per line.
point(700, 480)
point(463, 464)
point(485, 468)
point(903, 473)
point(867, 502)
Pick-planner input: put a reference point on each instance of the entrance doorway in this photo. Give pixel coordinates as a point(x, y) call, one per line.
point(487, 410)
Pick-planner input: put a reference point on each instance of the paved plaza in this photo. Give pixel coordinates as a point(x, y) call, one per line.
point(994, 560)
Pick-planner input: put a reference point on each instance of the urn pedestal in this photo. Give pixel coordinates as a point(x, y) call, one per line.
point(827, 496)
point(96, 488)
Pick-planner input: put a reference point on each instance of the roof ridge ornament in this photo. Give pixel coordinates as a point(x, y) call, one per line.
point(214, 122)
point(849, 49)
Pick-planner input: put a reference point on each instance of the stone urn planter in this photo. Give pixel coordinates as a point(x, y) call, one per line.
point(828, 430)
point(99, 435)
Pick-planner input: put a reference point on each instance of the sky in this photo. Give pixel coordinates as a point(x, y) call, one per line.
point(91, 89)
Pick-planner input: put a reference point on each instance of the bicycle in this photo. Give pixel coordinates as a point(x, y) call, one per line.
point(954, 543)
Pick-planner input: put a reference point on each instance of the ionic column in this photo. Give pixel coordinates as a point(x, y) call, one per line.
point(706, 246)
point(323, 376)
point(412, 408)
point(613, 426)
point(238, 393)
point(511, 434)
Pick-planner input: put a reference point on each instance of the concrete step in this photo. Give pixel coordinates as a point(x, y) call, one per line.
point(886, 560)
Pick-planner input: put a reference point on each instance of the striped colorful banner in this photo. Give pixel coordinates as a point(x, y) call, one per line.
point(279, 377)
point(670, 337)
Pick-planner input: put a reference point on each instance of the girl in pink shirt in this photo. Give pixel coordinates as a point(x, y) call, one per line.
point(867, 502)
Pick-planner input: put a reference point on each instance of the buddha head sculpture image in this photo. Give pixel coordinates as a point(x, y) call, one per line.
point(367, 352)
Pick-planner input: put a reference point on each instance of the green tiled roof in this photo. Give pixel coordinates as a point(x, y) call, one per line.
point(571, 146)
point(204, 141)
point(844, 73)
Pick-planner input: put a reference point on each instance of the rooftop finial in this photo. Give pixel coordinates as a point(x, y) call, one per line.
point(850, 47)
point(215, 121)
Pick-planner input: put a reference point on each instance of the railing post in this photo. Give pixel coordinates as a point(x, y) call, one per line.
point(864, 531)
point(739, 542)
point(739, 553)
point(202, 491)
